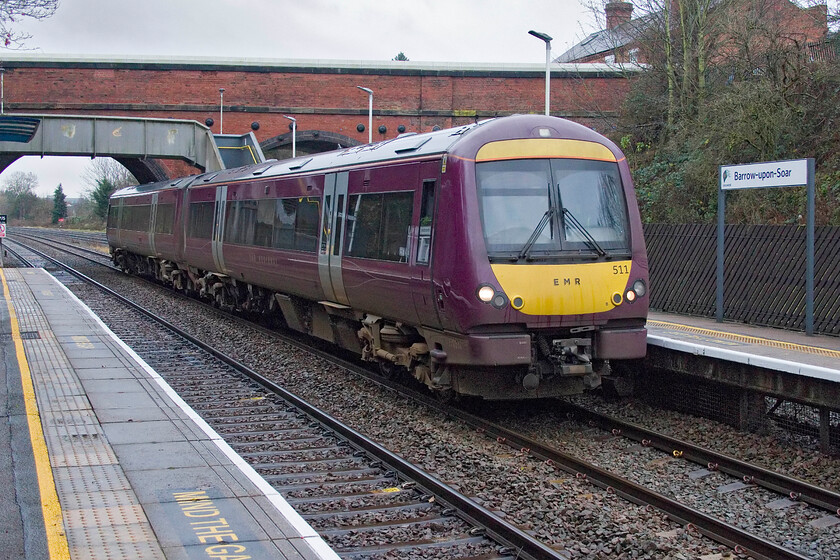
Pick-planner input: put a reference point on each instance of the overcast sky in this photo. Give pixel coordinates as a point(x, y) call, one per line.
point(459, 31)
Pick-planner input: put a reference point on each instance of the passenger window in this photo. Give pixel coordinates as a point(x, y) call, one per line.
point(164, 218)
point(201, 220)
point(339, 222)
point(137, 218)
point(378, 226)
point(327, 223)
point(285, 211)
point(427, 210)
point(264, 226)
point(296, 224)
point(306, 225)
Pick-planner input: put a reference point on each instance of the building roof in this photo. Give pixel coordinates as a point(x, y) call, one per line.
point(394, 68)
point(606, 40)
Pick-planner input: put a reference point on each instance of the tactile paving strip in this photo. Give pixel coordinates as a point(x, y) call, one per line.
point(102, 516)
point(749, 339)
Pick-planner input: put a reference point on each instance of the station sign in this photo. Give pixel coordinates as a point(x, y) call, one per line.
point(789, 173)
point(768, 174)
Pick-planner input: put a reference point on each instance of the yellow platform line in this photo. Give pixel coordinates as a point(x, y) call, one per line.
point(50, 506)
point(749, 339)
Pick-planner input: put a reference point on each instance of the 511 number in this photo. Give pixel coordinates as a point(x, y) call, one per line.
point(621, 269)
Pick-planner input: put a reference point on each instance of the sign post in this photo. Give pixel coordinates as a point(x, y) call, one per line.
point(2, 235)
point(790, 173)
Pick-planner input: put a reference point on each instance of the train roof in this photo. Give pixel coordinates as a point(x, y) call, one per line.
point(403, 147)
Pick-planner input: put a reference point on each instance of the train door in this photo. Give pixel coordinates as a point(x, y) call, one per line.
point(422, 288)
point(152, 221)
point(330, 246)
point(219, 229)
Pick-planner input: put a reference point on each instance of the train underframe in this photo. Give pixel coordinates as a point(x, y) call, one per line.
point(515, 365)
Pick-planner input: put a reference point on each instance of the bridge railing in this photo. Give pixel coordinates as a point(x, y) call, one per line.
point(125, 137)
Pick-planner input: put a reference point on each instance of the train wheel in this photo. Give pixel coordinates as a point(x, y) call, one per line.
point(446, 396)
point(390, 370)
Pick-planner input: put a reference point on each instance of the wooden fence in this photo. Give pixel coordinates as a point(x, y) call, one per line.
point(764, 274)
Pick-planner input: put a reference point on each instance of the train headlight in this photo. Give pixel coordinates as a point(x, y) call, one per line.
point(486, 293)
point(640, 288)
point(630, 296)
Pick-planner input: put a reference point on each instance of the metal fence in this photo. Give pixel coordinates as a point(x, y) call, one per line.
point(764, 281)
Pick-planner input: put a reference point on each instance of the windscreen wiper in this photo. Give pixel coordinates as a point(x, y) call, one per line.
point(549, 214)
point(589, 240)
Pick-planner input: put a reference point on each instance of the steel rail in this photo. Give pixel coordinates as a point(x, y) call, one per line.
point(714, 528)
point(709, 526)
point(497, 528)
point(794, 488)
point(46, 240)
point(23, 260)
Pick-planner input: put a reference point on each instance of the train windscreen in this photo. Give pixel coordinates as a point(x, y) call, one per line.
point(536, 208)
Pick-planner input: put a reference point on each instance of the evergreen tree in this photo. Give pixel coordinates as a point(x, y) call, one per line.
point(100, 196)
point(59, 204)
point(104, 176)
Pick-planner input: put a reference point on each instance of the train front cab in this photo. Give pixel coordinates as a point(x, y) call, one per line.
point(563, 287)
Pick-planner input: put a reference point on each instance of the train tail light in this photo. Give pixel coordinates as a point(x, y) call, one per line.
point(638, 290)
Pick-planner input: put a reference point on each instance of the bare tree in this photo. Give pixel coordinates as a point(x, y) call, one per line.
point(108, 169)
point(19, 190)
point(12, 11)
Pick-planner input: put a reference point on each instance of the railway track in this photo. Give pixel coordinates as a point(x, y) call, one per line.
point(740, 540)
point(364, 500)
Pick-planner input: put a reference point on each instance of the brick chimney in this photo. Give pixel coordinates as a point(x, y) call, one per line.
point(618, 13)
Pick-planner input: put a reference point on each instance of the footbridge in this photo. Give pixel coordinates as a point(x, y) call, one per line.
point(137, 143)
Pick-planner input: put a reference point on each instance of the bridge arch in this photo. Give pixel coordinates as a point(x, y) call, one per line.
point(144, 170)
point(307, 142)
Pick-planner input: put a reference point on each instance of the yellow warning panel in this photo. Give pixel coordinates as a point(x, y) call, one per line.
point(50, 506)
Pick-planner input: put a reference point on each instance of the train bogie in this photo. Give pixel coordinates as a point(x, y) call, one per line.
point(503, 259)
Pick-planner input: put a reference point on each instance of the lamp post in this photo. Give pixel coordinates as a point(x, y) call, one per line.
point(547, 39)
point(370, 112)
point(294, 132)
point(221, 110)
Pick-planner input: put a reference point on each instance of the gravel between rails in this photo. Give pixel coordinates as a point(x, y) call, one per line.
point(566, 513)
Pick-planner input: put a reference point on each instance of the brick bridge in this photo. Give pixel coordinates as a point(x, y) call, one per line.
point(321, 95)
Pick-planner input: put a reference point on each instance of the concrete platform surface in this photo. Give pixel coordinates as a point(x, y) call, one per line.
point(100, 458)
point(773, 349)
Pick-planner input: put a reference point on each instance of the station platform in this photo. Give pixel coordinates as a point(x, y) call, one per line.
point(99, 458)
point(762, 347)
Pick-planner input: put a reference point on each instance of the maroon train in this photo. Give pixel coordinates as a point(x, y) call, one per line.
point(503, 259)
